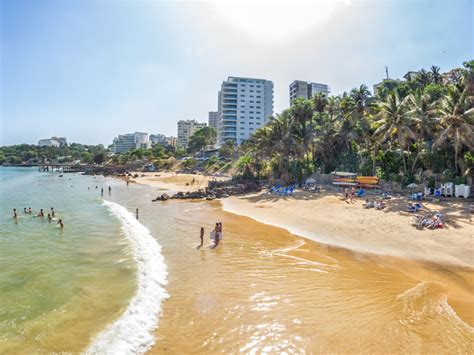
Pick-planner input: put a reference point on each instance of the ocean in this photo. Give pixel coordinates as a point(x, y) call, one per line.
point(94, 285)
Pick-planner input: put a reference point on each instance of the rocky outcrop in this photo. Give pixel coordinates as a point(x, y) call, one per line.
point(216, 192)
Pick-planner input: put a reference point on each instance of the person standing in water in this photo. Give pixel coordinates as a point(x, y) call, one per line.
point(110, 190)
point(40, 214)
point(25, 211)
point(52, 212)
point(29, 210)
point(61, 224)
point(49, 218)
point(15, 215)
point(201, 235)
point(128, 182)
point(101, 191)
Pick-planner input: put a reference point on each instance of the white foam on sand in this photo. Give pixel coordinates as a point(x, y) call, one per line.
point(132, 332)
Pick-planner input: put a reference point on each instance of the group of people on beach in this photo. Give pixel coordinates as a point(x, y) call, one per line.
point(216, 235)
point(40, 214)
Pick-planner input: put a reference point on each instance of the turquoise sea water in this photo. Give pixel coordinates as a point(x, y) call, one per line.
point(60, 287)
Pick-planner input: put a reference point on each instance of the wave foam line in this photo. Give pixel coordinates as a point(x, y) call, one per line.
point(132, 332)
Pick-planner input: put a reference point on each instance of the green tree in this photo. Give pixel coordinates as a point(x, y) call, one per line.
point(201, 139)
point(457, 122)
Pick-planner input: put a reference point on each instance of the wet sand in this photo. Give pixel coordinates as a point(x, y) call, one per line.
point(266, 290)
point(326, 218)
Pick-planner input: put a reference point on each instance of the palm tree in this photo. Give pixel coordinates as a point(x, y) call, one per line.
point(423, 112)
point(423, 77)
point(457, 121)
point(394, 122)
point(435, 74)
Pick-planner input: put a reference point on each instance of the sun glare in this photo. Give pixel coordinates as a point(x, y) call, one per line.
point(275, 21)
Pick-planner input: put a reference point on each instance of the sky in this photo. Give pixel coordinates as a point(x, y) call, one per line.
point(90, 70)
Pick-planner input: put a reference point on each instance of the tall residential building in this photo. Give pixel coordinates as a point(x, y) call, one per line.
point(213, 120)
point(185, 130)
point(306, 89)
point(53, 142)
point(244, 105)
point(125, 142)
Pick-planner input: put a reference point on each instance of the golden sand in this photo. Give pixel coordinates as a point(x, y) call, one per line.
point(267, 290)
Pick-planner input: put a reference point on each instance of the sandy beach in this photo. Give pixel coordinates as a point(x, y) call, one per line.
point(175, 182)
point(326, 218)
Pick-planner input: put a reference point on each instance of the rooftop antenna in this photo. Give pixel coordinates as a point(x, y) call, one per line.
point(386, 71)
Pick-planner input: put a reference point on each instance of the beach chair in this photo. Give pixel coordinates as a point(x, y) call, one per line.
point(427, 191)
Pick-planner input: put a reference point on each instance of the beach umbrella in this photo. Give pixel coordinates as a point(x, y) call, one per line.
point(310, 181)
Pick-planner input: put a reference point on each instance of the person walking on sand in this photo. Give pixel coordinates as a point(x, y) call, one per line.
point(52, 212)
point(15, 215)
point(128, 182)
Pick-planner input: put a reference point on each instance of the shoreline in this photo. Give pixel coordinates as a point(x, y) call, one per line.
point(326, 225)
point(324, 218)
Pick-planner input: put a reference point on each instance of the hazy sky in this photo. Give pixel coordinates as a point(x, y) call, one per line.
point(90, 70)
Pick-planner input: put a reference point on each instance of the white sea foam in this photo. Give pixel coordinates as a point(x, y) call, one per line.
point(132, 332)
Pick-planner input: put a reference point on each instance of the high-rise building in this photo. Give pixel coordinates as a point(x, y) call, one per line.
point(53, 142)
point(158, 139)
point(185, 130)
point(213, 120)
point(125, 142)
point(244, 105)
point(306, 90)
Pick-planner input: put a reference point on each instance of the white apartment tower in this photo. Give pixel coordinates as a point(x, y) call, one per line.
point(185, 130)
point(244, 105)
point(306, 90)
point(130, 141)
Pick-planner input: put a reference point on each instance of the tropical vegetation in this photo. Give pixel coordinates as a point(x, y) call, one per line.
point(423, 123)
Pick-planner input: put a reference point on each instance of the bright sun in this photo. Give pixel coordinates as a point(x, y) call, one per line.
point(273, 20)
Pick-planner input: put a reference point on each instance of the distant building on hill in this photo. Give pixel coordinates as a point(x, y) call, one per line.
point(53, 142)
point(244, 105)
point(161, 139)
point(307, 90)
point(213, 120)
point(185, 130)
point(126, 142)
point(158, 139)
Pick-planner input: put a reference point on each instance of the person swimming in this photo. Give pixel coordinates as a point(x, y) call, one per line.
point(15, 215)
point(40, 214)
point(61, 224)
point(49, 218)
point(52, 212)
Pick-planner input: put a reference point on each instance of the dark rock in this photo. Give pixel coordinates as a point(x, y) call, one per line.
point(164, 197)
